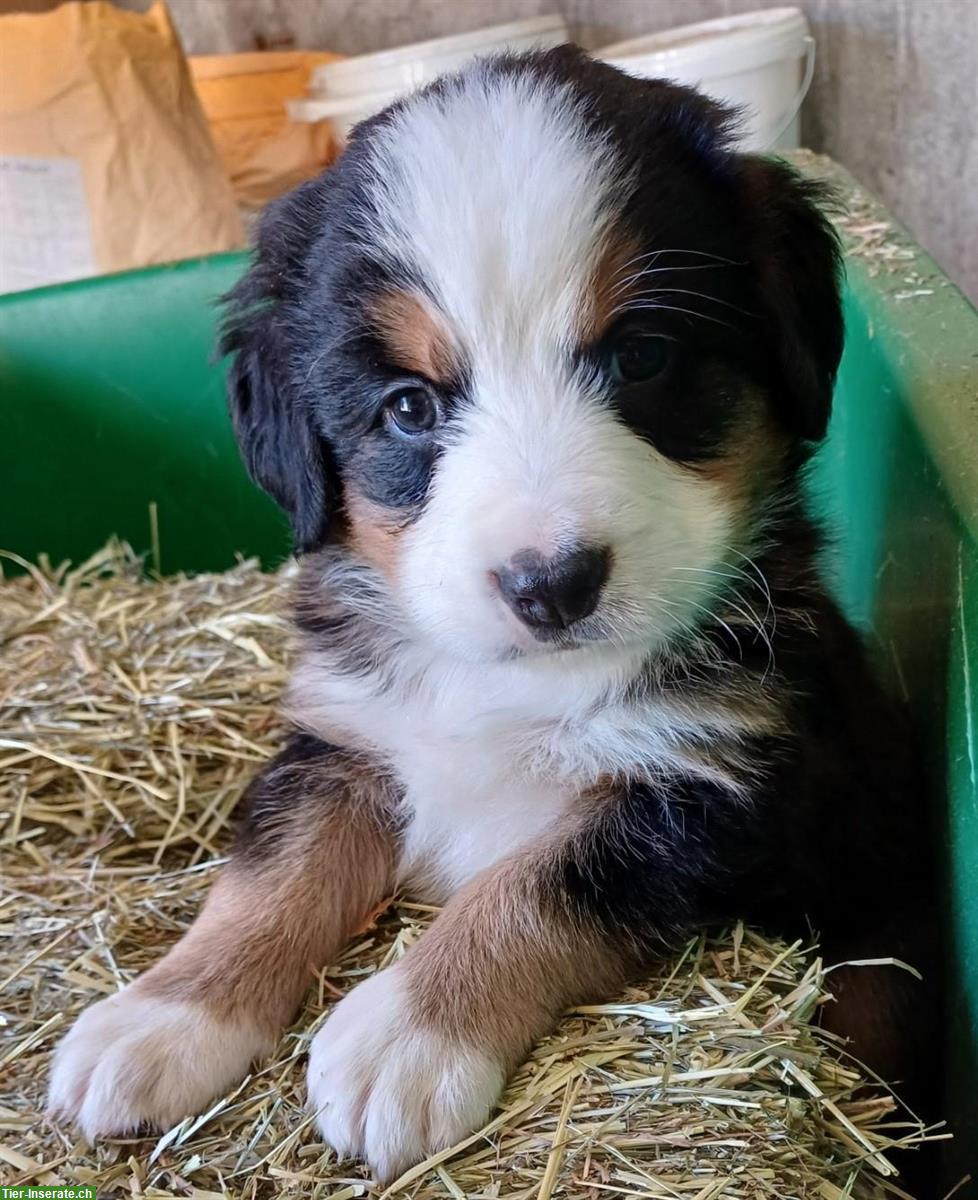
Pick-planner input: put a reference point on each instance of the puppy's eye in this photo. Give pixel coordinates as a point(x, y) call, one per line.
point(637, 357)
point(413, 410)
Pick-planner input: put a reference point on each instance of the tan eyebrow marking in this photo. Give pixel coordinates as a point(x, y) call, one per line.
point(416, 336)
point(610, 286)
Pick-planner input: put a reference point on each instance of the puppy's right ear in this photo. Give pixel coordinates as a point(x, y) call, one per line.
point(280, 447)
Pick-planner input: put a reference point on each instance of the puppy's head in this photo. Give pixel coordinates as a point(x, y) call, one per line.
point(540, 348)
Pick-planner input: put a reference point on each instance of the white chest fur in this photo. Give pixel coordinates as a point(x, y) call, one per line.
point(467, 810)
point(477, 749)
point(491, 755)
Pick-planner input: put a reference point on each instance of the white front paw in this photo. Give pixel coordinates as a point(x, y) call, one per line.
point(134, 1060)
point(390, 1091)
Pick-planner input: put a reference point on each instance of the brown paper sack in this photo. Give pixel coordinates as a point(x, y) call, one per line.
point(244, 97)
point(106, 160)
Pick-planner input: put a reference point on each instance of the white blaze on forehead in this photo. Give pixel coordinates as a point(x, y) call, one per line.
point(498, 194)
point(505, 202)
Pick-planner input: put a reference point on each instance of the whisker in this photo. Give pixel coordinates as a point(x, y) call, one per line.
point(653, 270)
point(644, 306)
point(702, 295)
point(739, 604)
point(683, 626)
point(731, 262)
point(754, 622)
point(712, 616)
point(764, 585)
point(733, 573)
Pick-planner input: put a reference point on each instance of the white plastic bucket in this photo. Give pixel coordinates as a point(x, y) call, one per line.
point(344, 112)
point(353, 89)
point(761, 61)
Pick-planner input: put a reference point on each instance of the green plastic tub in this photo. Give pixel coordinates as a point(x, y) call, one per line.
point(112, 421)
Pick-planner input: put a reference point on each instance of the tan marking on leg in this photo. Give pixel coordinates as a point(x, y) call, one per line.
point(504, 959)
point(276, 917)
point(313, 862)
point(416, 336)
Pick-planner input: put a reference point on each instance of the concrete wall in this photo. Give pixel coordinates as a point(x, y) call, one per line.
point(895, 96)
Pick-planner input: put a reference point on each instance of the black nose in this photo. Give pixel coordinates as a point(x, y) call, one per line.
point(552, 593)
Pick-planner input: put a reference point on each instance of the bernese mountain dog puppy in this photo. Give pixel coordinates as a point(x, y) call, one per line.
point(535, 370)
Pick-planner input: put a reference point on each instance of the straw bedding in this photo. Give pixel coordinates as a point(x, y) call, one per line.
point(131, 714)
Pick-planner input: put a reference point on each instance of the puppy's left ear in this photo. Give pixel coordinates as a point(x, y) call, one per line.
point(797, 260)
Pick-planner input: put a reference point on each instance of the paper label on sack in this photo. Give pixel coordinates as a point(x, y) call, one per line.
point(46, 234)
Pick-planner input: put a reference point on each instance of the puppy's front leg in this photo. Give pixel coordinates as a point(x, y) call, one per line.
point(314, 856)
point(415, 1057)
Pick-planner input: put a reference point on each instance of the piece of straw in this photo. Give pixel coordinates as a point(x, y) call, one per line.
point(132, 713)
